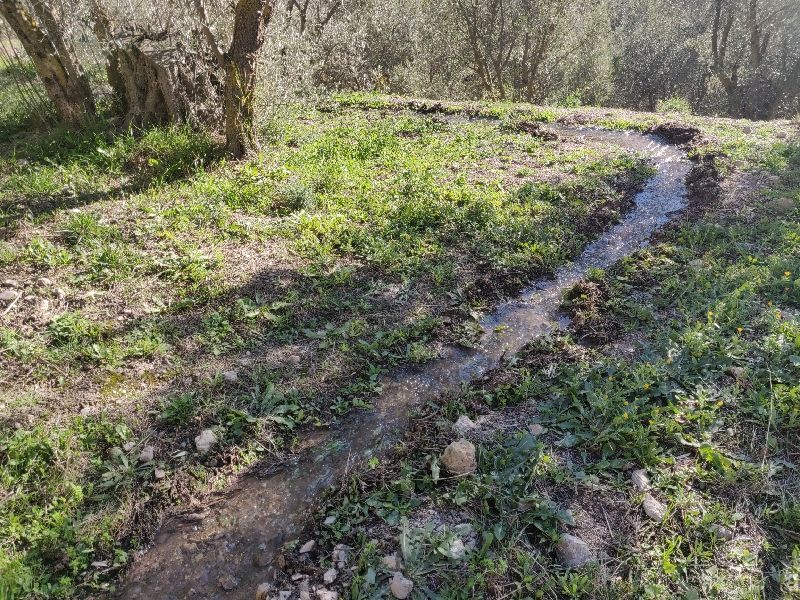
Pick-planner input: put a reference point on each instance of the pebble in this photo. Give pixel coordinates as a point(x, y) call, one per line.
point(781, 135)
point(44, 282)
point(146, 455)
point(640, 480)
point(231, 376)
point(457, 550)
point(44, 305)
point(464, 425)
point(654, 509)
point(307, 547)
point(128, 446)
point(159, 474)
point(205, 441)
point(392, 562)
point(737, 373)
point(329, 520)
point(228, 582)
point(536, 429)
point(330, 576)
point(401, 586)
point(60, 293)
point(573, 552)
point(324, 594)
point(8, 296)
point(11, 283)
point(294, 360)
point(284, 594)
point(459, 457)
point(263, 591)
point(340, 555)
point(722, 532)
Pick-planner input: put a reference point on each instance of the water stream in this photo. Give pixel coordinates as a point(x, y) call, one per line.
point(227, 553)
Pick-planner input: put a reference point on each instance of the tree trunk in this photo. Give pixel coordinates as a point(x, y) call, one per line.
point(63, 77)
point(241, 60)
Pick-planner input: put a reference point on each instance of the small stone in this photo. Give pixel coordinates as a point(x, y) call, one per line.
point(86, 411)
point(392, 562)
point(536, 429)
point(654, 509)
point(340, 556)
point(60, 293)
point(228, 582)
point(284, 594)
point(323, 594)
point(159, 474)
point(573, 552)
point(303, 591)
point(401, 586)
point(457, 550)
point(459, 457)
point(747, 130)
point(330, 576)
point(307, 547)
point(640, 480)
point(722, 532)
point(230, 376)
point(44, 282)
point(464, 425)
point(205, 441)
point(330, 520)
point(128, 446)
point(8, 296)
point(44, 305)
point(737, 373)
point(293, 360)
point(781, 135)
point(146, 455)
point(263, 591)
point(11, 283)
point(297, 576)
point(781, 205)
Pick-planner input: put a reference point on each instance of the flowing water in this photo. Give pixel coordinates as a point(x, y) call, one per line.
point(227, 552)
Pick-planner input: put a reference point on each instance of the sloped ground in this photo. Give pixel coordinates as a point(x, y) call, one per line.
point(154, 291)
point(675, 388)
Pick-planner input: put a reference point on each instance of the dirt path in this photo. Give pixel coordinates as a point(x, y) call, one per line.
point(229, 549)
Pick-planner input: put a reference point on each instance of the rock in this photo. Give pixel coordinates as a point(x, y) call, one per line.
point(573, 552)
point(263, 591)
point(392, 562)
point(284, 594)
point(205, 441)
point(457, 550)
point(536, 429)
point(11, 283)
point(330, 520)
point(307, 547)
point(696, 263)
point(747, 130)
point(654, 509)
point(781, 135)
point(324, 594)
point(60, 294)
point(401, 586)
point(722, 532)
point(293, 360)
point(737, 373)
point(159, 474)
point(146, 455)
point(781, 205)
point(44, 306)
point(230, 376)
point(8, 296)
point(459, 457)
point(44, 282)
point(228, 582)
point(464, 425)
point(303, 591)
point(339, 556)
point(330, 576)
point(128, 446)
point(640, 480)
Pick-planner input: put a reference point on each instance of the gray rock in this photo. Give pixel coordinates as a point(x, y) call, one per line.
point(263, 591)
point(230, 376)
point(464, 425)
point(159, 474)
point(401, 586)
point(324, 594)
point(228, 582)
point(8, 296)
point(330, 520)
point(536, 429)
point(293, 360)
point(459, 457)
point(737, 373)
point(640, 480)
point(654, 509)
point(392, 562)
point(457, 550)
point(573, 552)
point(330, 576)
point(11, 283)
point(307, 547)
point(284, 594)
point(205, 441)
point(722, 532)
point(44, 282)
point(146, 455)
point(340, 556)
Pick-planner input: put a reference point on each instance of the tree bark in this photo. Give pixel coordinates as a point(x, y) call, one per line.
point(63, 77)
point(241, 61)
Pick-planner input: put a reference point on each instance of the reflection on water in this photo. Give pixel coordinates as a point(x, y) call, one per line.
point(228, 553)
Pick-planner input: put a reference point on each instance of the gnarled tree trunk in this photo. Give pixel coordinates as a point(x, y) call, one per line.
point(241, 60)
point(55, 62)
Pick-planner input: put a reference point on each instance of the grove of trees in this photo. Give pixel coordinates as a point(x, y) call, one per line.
point(213, 61)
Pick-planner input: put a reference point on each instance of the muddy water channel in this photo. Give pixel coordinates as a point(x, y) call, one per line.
point(227, 552)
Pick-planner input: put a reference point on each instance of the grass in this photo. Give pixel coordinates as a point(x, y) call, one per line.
point(681, 360)
point(149, 267)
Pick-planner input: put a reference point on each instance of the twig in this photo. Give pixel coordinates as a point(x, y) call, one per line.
point(10, 306)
